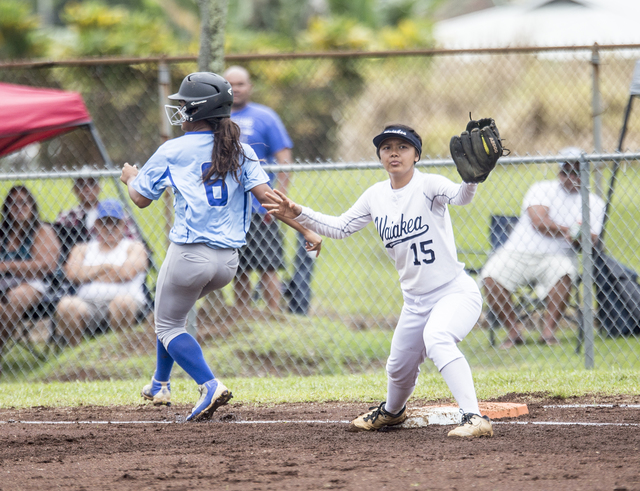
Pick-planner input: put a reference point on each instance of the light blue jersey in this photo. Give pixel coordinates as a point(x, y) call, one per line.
point(217, 215)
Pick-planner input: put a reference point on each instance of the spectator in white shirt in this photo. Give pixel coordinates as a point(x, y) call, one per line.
point(109, 272)
point(541, 250)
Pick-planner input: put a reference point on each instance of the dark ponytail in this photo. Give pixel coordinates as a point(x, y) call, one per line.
point(227, 150)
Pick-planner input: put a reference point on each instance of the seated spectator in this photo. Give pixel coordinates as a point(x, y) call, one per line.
point(76, 225)
point(541, 250)
point(109, 271)
point(29, 252)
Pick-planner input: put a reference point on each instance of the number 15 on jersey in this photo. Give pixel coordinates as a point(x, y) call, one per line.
point(422, 253)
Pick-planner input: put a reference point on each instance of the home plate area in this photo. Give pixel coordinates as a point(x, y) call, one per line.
point(449, 415)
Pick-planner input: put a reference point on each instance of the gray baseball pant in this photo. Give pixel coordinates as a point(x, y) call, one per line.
point(189, 272)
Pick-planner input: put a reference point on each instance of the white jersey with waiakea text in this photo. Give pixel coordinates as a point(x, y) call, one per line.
point(413, 223)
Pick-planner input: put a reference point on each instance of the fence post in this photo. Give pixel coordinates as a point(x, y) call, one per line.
point(164, 83)
point(587, 265)
point(596, 110)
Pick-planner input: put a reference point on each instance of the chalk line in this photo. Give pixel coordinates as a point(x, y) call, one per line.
point(278, 421)
point(569, 406)
point(308, 421)
point(561, 423)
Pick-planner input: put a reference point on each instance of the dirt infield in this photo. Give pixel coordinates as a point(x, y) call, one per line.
point(306, 446)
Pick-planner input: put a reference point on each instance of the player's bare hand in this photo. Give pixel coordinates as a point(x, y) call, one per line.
point(128, 172)
point(281, 205)
point(313, 242)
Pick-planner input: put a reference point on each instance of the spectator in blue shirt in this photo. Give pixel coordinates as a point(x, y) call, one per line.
point(262, 129)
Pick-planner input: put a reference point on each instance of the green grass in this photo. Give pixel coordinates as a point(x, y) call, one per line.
point(301, 346)
point(356, 388)
point(609, 353)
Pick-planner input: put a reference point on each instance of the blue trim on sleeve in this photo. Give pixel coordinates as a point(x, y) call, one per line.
point(166, 173)
point(244, 213)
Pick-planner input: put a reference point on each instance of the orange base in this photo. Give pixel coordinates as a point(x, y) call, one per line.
point(497, 410)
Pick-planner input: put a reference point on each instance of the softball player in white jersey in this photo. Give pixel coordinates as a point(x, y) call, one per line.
point(211, 174)
point(441, 302)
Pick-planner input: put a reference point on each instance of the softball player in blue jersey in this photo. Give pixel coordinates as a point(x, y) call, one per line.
point(441, 302)
point(211, 174)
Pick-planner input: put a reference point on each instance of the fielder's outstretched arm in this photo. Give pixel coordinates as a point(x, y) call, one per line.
point(264, 195)
point(354, 219)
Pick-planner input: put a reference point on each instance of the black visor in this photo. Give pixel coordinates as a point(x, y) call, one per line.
point(397, 132)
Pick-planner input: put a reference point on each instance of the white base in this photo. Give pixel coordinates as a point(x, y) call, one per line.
point(420, 417)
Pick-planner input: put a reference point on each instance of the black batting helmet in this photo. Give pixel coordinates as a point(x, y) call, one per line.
point(206, 95)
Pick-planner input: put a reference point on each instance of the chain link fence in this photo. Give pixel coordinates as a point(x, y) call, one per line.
point(338, 311)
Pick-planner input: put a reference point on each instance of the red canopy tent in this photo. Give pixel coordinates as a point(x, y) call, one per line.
point(32, 114)
point(29, 114)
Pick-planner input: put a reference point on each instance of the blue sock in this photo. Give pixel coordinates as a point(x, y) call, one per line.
point(164, 363)
point(187, 353)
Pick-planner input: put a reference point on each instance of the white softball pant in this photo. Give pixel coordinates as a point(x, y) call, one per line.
point(431, 326)
point(189, 272)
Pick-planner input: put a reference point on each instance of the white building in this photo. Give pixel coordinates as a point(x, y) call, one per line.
point(544, 23)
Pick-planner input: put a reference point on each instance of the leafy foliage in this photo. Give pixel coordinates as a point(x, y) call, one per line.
point(18, 31)
point(104, 30)
point(147, 27)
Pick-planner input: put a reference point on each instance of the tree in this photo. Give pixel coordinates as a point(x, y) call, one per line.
point(213, 15)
